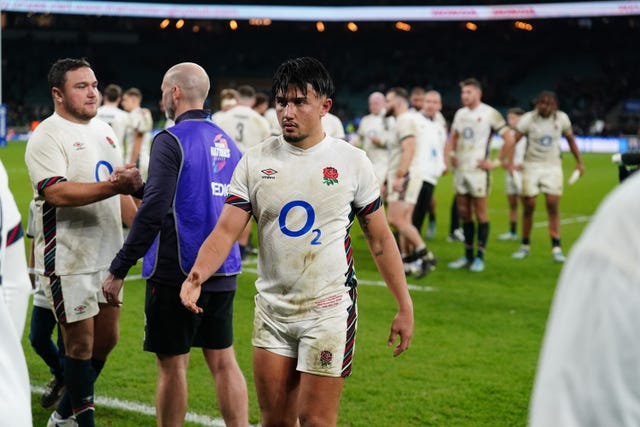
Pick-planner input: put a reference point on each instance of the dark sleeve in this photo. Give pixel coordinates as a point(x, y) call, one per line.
point(159, 190)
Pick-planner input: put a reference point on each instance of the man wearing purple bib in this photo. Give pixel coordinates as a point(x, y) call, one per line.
point(190, 169)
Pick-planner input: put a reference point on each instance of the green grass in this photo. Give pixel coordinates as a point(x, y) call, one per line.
point(477, 336)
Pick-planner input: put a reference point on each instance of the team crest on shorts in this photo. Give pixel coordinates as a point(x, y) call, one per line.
point(326, 357)
point(330, 175)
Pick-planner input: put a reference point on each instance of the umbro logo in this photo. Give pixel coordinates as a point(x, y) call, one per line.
point(268, 173)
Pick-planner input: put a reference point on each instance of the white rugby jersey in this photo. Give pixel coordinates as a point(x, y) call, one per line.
point(543, 136)
point(475, 128)
point(304, 202)
point(140, 120)
point(117, 118)
point(412, 123)
point(436, 139)
point(332, 126)
point(86, 237)
point(589, 368)
point(373, 125)
point(245, 125)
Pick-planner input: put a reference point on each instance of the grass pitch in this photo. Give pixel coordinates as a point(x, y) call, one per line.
point(477, 335)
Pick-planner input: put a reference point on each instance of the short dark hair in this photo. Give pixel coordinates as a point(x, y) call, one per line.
point(471, 81)
point(300, 72)
point(58, 73)
point(545, 94)
point(112, 92)
point(400, 92)
point(133, 91)
point(261, 98)
point(246, 91)
point(515, 110)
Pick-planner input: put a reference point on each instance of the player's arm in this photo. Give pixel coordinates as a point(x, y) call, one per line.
point(213, 251)
point(505, 154)
point(67, 193)
point(384, 250)
point(128, 209)
point(573, 146)
point(408, 151)
point(453, 148)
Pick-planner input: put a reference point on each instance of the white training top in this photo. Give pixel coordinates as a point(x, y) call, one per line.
point(304, 202)
point(117, 118)
point(373, 125)
point(87, 237)
point(245, 125)
point(543, 136)
point(435, 139)
point(589, 368)
point(140, 120)
point(332, 126)
point(475, 128)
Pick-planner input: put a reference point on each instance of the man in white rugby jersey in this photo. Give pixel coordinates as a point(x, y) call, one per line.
point(70, 157)
point(373, 134)
point(542, 168)
point(513, 178)
point(471, 131)
point(138, 133)
point(333, 126)
point(435, 166)
point(408, 148)
point(111, 112)
point(305, 188)
point(247, 127)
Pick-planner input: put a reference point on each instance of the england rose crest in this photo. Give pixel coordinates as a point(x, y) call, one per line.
point(325, 358)
point(330, 175)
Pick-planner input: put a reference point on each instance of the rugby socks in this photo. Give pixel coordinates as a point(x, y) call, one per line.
point(483, 235)
point(79, 379)
point(469, 230)
point(526, 241)
point(555, 242)
point(512, 227)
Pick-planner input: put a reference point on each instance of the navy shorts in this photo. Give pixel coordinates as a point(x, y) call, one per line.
point(171, 329)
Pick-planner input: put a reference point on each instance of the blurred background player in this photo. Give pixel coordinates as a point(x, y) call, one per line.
point(111, 112)
point(513, 178)
point(16, 285)
point(332, 126)
point(261, 104)
point(15, 395)
point(407, 147)
point(247, 128)
point(542, 168)
point(431, 109)
point(416, 98)
point(373, 134)
point(228, 100)
point(43, 322)
point(471, 131)
point(587, 372)
point(138, 133)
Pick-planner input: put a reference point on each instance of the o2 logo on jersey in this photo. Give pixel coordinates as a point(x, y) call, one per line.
point(220, 152)
point(103, 170)
point(546, 141)
point(306, 228)
point(467, 133)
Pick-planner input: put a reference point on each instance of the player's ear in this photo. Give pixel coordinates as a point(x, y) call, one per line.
point(326, 106)
point(56, 94)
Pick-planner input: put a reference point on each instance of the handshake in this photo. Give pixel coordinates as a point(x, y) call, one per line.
point(127, 179)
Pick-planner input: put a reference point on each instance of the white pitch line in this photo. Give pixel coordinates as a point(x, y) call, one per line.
point(141, 408)
point(574, 220)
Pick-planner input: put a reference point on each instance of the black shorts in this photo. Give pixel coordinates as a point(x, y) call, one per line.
point(171, 329)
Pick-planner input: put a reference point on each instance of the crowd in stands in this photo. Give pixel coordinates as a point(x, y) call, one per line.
point(586, 61)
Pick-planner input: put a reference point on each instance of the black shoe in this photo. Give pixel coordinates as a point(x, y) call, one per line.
point(52, 392)
point(427, 265)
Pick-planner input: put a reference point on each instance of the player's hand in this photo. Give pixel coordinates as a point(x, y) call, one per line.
point(127, 179)
point(111, 287)
point(402, 325)
point(485, 164)
point(190, 292)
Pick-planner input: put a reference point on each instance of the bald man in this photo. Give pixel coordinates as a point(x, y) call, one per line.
point(373, 135)
point(189, 172)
